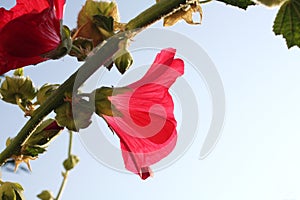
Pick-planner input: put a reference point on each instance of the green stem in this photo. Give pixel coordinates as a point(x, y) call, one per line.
point(65, 174)
point(70, 143)
point(62, 186)
point(19, 103)
point(154, 13)
point(92, 63)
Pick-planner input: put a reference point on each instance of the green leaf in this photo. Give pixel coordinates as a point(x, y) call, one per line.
point(106, 23)
point(239, 3)
point(11, 191)
point(271, 3)
point(287, 23)
point(33, 151)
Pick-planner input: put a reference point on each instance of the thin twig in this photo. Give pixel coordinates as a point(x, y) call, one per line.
point(66, 173)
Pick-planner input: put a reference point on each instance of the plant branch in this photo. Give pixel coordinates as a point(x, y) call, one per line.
point(57, 98)
point(63, 184)
point(70, 143)
point(65, 174)
point(92, 63)
point(154, 13)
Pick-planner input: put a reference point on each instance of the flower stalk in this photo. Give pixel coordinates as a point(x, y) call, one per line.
point(108, 49)
point(65, 174)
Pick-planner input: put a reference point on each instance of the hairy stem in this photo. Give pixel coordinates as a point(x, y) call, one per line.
point(92, 63)
point(154, 13)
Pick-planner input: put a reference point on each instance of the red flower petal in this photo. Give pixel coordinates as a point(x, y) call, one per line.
point(147, 129)
point(27, 31)
point(53, 126)
point(59, 8)
point(164, 70)
point(21, 8)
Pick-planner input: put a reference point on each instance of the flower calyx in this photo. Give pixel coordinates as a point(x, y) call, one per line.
point(75, 113)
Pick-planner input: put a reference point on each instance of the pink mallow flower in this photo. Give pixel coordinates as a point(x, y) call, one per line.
point(29, 32)
point(144, 119)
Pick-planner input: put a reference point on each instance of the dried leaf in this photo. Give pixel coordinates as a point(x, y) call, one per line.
point(184, 13)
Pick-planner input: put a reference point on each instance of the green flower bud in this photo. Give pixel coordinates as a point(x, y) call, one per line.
point(45, 91)
point(45, 195)
point(19, 72)
point(70, 162)
point(44, 133)
point(17, 86)
point(40, 138)
point(81, 48)
point(11, 191)
point(77, 119)
point(123, 61)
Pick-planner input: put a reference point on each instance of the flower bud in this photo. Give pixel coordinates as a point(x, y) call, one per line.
point(40, 138)
point(45, 91)
point(17, 86)
point(19, 72)
point(11, 191)
point(81, 48)
point(123, 61)
point(75, 119)
point(45, 195)
point(70, 162)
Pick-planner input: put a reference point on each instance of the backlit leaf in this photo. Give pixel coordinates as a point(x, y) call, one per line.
point(287, 23)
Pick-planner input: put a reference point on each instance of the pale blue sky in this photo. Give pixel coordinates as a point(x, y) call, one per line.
point(257, 156)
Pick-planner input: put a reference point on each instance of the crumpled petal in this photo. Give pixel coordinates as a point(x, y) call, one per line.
point(147, 128)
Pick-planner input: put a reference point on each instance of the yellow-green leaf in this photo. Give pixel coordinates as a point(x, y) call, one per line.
point(243, 4)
